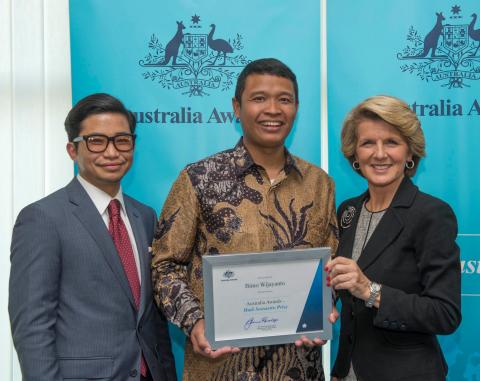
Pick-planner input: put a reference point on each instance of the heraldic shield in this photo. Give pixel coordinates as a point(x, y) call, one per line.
point(195, 46)
point(455, 37)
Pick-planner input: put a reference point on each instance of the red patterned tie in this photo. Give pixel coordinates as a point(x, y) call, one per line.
point(120, 237)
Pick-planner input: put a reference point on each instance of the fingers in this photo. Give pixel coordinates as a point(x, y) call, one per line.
point(303, 341)
point(317, 341)
point(344, 268)
point(199, 341)
point(344, 274)
point(338, 260)
point(222, 351)
point(341, 272)
point(309, 343)
point(344, 281)
point(201, 345)
point(333, 315)
point(340, 265)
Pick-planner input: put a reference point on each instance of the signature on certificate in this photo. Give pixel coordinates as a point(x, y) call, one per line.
point(255, 322)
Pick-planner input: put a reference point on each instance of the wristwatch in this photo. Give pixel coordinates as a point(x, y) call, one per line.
point(374, 291)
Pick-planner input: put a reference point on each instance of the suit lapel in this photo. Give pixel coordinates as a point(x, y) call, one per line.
point(142, 246)
point(390, 225)
point(387, 230)
point(85, 211)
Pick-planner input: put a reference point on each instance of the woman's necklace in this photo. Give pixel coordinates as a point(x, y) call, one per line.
point(368, 228)
point(365, 240)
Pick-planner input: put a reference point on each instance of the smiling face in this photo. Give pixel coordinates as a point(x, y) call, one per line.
point(267, 111)
point(104, 169)
point(381, 152)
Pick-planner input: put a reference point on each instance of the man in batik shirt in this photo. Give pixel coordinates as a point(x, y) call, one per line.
point(252, 198)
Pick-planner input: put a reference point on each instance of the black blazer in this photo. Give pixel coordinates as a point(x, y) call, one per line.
point(413, 254)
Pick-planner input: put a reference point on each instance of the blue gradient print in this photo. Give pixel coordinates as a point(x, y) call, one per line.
point(312, 315)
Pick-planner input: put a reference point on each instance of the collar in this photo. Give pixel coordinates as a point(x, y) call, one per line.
point(100, 198)
point(243, 161)
point(404, 195)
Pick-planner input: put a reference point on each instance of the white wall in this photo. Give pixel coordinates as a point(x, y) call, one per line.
point(324, 131)
point(35, 96)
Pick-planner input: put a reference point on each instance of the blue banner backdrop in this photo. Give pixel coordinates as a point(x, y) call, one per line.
point(175, 64)
point(380, 47)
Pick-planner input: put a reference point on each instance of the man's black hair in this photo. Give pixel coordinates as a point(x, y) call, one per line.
point(99, 103)
point(270, 66)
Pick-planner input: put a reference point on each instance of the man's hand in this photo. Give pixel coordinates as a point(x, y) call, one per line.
point(305, 341)
point(201, 345)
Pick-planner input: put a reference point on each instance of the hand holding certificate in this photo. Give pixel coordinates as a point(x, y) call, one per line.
point(202, 346)
point(267, 298)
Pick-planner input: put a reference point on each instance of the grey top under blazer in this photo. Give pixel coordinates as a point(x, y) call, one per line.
point(413, 254)
point(71, 308)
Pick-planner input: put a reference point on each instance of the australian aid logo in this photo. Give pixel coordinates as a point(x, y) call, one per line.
point(194, 61)
point(447, 52)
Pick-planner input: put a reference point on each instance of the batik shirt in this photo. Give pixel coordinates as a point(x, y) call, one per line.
point(227, 204)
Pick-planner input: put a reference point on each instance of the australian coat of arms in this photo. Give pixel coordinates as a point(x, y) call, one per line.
point(448, 53)
point(194, 62)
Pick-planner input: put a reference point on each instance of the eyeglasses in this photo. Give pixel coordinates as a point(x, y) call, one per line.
point(98, 143)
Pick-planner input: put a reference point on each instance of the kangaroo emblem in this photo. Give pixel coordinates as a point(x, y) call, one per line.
point(431, 39)
point(171, 50)
point(449, 54)
point(190, 59)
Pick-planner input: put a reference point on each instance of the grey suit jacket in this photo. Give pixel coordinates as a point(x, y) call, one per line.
point(71, 308)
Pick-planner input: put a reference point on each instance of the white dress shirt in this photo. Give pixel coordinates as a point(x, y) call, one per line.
point(101, 200)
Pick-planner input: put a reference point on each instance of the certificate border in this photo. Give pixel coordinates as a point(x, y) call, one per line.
point(211, 261)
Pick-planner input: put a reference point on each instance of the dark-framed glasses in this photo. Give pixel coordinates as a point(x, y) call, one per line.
point(98, 143)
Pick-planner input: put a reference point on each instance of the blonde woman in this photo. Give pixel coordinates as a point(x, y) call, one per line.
point(397, 268)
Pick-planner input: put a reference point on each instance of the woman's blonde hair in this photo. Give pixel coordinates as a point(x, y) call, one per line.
point(395, 112)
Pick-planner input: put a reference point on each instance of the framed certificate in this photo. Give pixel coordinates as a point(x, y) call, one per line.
point(254, 299)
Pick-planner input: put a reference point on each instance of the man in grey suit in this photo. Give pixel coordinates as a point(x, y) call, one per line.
point(80, 297)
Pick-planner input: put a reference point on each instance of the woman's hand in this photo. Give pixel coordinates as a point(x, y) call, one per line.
point(344, 274)
point(333, 315)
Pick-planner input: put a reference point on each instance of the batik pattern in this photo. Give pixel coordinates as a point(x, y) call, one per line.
point(227, 204)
